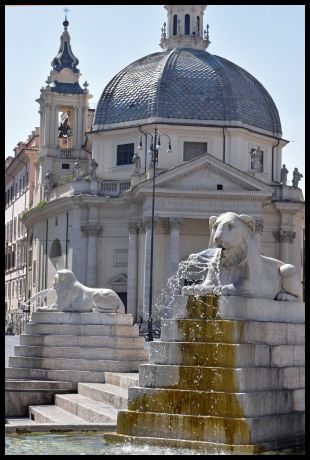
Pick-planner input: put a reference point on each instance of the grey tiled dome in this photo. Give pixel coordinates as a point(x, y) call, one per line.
point(187, 84)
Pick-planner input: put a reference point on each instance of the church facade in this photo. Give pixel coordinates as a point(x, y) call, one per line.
point(206, 127)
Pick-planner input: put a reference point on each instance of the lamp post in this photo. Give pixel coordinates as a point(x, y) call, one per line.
point(153, 151)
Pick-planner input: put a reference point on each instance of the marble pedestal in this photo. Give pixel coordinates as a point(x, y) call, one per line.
point(227, 374)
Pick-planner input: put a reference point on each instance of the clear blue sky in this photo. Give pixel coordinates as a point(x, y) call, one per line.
point(266, 40)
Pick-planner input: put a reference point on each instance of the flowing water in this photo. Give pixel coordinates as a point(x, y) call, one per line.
point(190, 271)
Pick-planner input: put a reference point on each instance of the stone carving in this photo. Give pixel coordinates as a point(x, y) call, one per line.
point(136, 165)
point(73, 296)
point(241, 269)
point(257, 160)
point(297, 176)
point(48, 181)
point(93, 165)
point(283, 176)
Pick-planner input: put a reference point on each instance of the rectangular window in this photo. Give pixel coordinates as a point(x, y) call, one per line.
point(65, 166)
point(194, 149)
point(20, 186)
point(125, 154)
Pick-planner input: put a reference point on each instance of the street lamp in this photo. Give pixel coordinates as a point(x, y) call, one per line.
point(153, 151)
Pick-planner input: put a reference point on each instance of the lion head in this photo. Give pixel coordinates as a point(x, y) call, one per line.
point(63, 279)
point(231, 232)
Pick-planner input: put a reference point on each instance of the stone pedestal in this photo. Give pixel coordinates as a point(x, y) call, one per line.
point(73, 347)
point(227, 374)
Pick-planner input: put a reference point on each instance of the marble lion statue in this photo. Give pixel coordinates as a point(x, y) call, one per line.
point(73, 296)
point(239, 269)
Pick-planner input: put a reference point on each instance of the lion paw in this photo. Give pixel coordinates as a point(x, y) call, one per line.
point(228, 289)
point(284, 296)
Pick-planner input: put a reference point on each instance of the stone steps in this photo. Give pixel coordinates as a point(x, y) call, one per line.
point(74, 364)
point(82, 341)
point(223, 404)
point(88, 409)
point(226, 355)
point(232, 331)
point(109, 330)
point(94, 407)
point(123, 380)
point(53, 414)
point(227, 430)
point(73, 376)
point(105, 393)
point(221, 378)
point(78, 352)
point(30, 385)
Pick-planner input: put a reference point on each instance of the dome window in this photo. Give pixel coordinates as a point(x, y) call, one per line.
point(194, 149)
point(187, 24)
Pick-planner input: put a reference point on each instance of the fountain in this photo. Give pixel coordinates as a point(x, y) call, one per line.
point(228, 371)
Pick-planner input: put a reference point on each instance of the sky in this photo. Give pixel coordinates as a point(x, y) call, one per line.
point(266, 40)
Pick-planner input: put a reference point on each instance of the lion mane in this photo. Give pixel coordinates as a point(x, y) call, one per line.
point(239, 269)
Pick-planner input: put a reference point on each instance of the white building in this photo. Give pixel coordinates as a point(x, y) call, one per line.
point(226, 145)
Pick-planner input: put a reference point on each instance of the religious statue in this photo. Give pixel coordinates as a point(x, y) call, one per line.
point(256, 160)
point(297, 176)
point(77, 169)
point(136, 165)
point(48, 181)
point(93, 165)
point(284, 173)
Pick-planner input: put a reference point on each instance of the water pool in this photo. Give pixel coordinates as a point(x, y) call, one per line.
point(94, 444)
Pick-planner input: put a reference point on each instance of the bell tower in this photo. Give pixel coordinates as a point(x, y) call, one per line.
point(63, 118)
point(185, 28)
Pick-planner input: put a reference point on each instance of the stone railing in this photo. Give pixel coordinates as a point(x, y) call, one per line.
point(113, 187)
point(64, 153)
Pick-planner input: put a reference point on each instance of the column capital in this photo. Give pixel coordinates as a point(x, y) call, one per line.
point(92, 229)
point(133, 228)
point(284, 235)
point(175, 222)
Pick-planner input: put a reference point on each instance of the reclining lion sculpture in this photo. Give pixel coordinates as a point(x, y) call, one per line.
point(73, 296)
point(241, 270)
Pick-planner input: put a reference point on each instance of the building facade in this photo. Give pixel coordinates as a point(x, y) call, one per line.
point(218, 148)
point(19, 189)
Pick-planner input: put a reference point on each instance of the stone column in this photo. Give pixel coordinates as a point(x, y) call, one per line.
point(92, 231)
point(132, 271)
point(284, 237)
point(147, 228)
point(174, 244)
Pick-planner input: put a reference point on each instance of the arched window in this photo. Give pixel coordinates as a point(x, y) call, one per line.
point(187, 24)
point(56, 249)
point(175, 24)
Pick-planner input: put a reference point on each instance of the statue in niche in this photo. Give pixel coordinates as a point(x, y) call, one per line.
point(297, 176)
point(136, 165)
point(239, 269)
point(257, 160)
point(48, 181)
point(93, 165)
point(283, 176)
point(73, 296)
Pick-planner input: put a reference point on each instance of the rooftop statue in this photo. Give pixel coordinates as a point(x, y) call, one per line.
point(73, 296)
point(239, 269)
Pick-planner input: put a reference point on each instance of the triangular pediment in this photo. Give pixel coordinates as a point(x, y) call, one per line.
point(119, 279)
point(208, 174)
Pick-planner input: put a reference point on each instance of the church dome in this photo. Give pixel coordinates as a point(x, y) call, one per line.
point(187, 86)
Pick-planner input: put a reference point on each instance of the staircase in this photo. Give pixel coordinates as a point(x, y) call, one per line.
point(93, 408)
point(60, 349)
